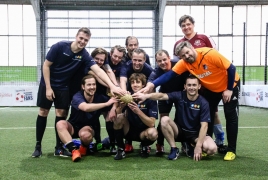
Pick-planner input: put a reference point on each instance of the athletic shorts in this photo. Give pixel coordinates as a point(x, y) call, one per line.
point(77, 129)
point(165, 106)
point(61, 100)
point(134, 134)
point(186, 136)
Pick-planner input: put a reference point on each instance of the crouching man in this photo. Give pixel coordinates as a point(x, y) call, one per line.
point(86, 108)
point(137, 121)
point(191, 120)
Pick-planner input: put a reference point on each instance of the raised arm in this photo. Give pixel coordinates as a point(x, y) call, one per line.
point(90, 107)
point(110, 73)
point(153, 96)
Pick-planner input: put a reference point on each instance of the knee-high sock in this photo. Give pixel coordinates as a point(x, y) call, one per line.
point(97, 130)
point(119, 137)
point(58, 141)
point(160, 139)
point(219, 134)
point(110, 131)
point(41, 123)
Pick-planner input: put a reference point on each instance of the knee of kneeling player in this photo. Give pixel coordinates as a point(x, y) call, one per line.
point(152, 134)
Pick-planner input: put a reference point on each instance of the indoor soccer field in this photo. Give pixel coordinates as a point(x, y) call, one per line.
point(17, 132)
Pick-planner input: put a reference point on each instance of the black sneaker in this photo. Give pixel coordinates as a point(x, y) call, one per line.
point(120, 154)
point(37, 152)
point(222, 149)
point(61, 151)
point(174, 153)
point(145, 150)
point(188, 149)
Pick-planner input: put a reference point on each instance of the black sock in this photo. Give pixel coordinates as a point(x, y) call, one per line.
point(110, 131)
point(70, 146)
point(41, 123)
point(58, 141)
point(160, 139)
point(119, 137)
point(97, 131)
point(146, 142)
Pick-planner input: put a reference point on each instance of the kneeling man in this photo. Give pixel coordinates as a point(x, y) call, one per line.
point(86, 109)
point(191, 119)
point(137, 123)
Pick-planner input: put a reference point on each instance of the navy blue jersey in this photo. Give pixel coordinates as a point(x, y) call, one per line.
point(66, 64)
point(189, 114)
point(81, 118)
point(149, 108)
point(116, 68)
point(127, 58)
point(174, 84)
point(127, 70)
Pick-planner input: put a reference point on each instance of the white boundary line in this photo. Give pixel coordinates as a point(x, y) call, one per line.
point(14, 128)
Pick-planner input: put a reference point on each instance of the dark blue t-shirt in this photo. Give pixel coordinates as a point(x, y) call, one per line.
point(127, 58)
point(127, 70)
point(80, 118)
point(174, 84)
point(148, 107)
point(116, 68)
point(189, 114)
point(66, 64)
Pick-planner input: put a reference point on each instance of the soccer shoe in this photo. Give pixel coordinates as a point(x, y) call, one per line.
point(145, 150)
point(128, 148)
point(76, 156)
point(174, 153)
point(37, 152)
point(83, 150)
point(222, 149)
point(188, 149)
point(229, 156)
point(62, 152)
point(159, 149)
point(113, 150)
point(120, 154)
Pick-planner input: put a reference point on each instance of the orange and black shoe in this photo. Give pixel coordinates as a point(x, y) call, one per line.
point(76, 156)
point(83, 150)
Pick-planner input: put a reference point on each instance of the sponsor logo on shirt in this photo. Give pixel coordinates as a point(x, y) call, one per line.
point(195, 106)
point(205, 74)
point(142, 106)
point(77, 58)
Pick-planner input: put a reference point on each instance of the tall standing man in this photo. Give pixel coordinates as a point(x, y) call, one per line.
point(62, 62)
point(218, 75)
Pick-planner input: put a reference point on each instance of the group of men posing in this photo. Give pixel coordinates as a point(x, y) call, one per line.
point(72, 77)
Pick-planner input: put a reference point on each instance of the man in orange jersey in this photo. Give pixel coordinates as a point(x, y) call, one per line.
point(218, 75)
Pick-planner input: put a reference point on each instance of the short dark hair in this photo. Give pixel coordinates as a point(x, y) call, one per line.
point(136, 76)
point(184, 18)
point(191, 76)
point(181, 45)
point(99, 50)
point(131, 37)
point(119, 48)
point(160, 52)
point(84, 30)
point(139, 51)
point(89, 76)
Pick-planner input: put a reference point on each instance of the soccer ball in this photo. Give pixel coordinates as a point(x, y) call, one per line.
point(20, 97)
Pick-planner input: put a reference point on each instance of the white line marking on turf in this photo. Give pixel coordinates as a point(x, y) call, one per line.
point(13, 128)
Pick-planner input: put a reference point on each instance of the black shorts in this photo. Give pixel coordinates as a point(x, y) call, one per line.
point(61, 100)
point(77, 129)
point(134, 134)
point(165, 106)
point(186, 136)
